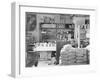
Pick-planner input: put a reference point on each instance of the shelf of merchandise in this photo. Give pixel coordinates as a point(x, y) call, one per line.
point(56, 29)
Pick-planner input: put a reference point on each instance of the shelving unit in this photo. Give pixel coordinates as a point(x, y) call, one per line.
point(60, 31)
point(84, 41)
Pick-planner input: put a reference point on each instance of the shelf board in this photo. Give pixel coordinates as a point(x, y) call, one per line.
point(58, 28)
point(48, 28)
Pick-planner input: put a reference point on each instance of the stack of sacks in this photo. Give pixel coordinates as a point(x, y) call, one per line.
point(71, 56)
point(67, 55)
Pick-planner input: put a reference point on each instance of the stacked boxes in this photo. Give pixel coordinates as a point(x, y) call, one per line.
point(81, 56)
point(74, 56)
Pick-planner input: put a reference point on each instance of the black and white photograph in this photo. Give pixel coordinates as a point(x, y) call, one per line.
point(54, 39)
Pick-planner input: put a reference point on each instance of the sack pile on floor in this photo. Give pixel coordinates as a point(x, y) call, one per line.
point(71, 56)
